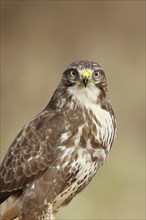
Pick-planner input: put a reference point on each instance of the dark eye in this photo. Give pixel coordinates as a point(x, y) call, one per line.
point(73, 73)
point(96, 74)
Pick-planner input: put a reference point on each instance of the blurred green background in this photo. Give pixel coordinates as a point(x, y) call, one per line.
point(39, 39)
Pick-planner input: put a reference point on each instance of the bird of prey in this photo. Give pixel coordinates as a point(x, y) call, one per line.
point(59, 151)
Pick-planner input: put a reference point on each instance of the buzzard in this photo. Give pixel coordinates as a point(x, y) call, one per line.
point(57, 154)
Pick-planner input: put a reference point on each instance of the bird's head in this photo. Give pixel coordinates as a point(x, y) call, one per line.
point(83, 83)
point(84, 74)
point(85, 80)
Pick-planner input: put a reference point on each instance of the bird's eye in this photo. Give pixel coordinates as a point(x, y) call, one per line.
point(73, 73)
point(96, 74)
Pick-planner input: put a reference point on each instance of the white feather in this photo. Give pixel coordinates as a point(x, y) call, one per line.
point(88, 98)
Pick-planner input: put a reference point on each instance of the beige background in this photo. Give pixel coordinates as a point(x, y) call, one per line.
point(39, 39)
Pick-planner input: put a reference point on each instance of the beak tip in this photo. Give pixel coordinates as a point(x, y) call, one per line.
point(85, 81)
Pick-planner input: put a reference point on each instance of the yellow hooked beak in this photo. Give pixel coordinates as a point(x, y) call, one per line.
point(85, 77)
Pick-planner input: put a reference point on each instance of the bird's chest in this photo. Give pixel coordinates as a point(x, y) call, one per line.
point(94, 136)
point(84, 152)
point(81, 171)
point(100, 126)
point(85, 170)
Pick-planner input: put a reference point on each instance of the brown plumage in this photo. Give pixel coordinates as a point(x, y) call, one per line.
point(56, 154)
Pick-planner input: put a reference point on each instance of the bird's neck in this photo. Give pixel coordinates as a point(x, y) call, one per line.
point(67, 99)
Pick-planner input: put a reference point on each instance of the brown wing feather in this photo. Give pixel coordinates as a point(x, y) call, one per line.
point(32, 151)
